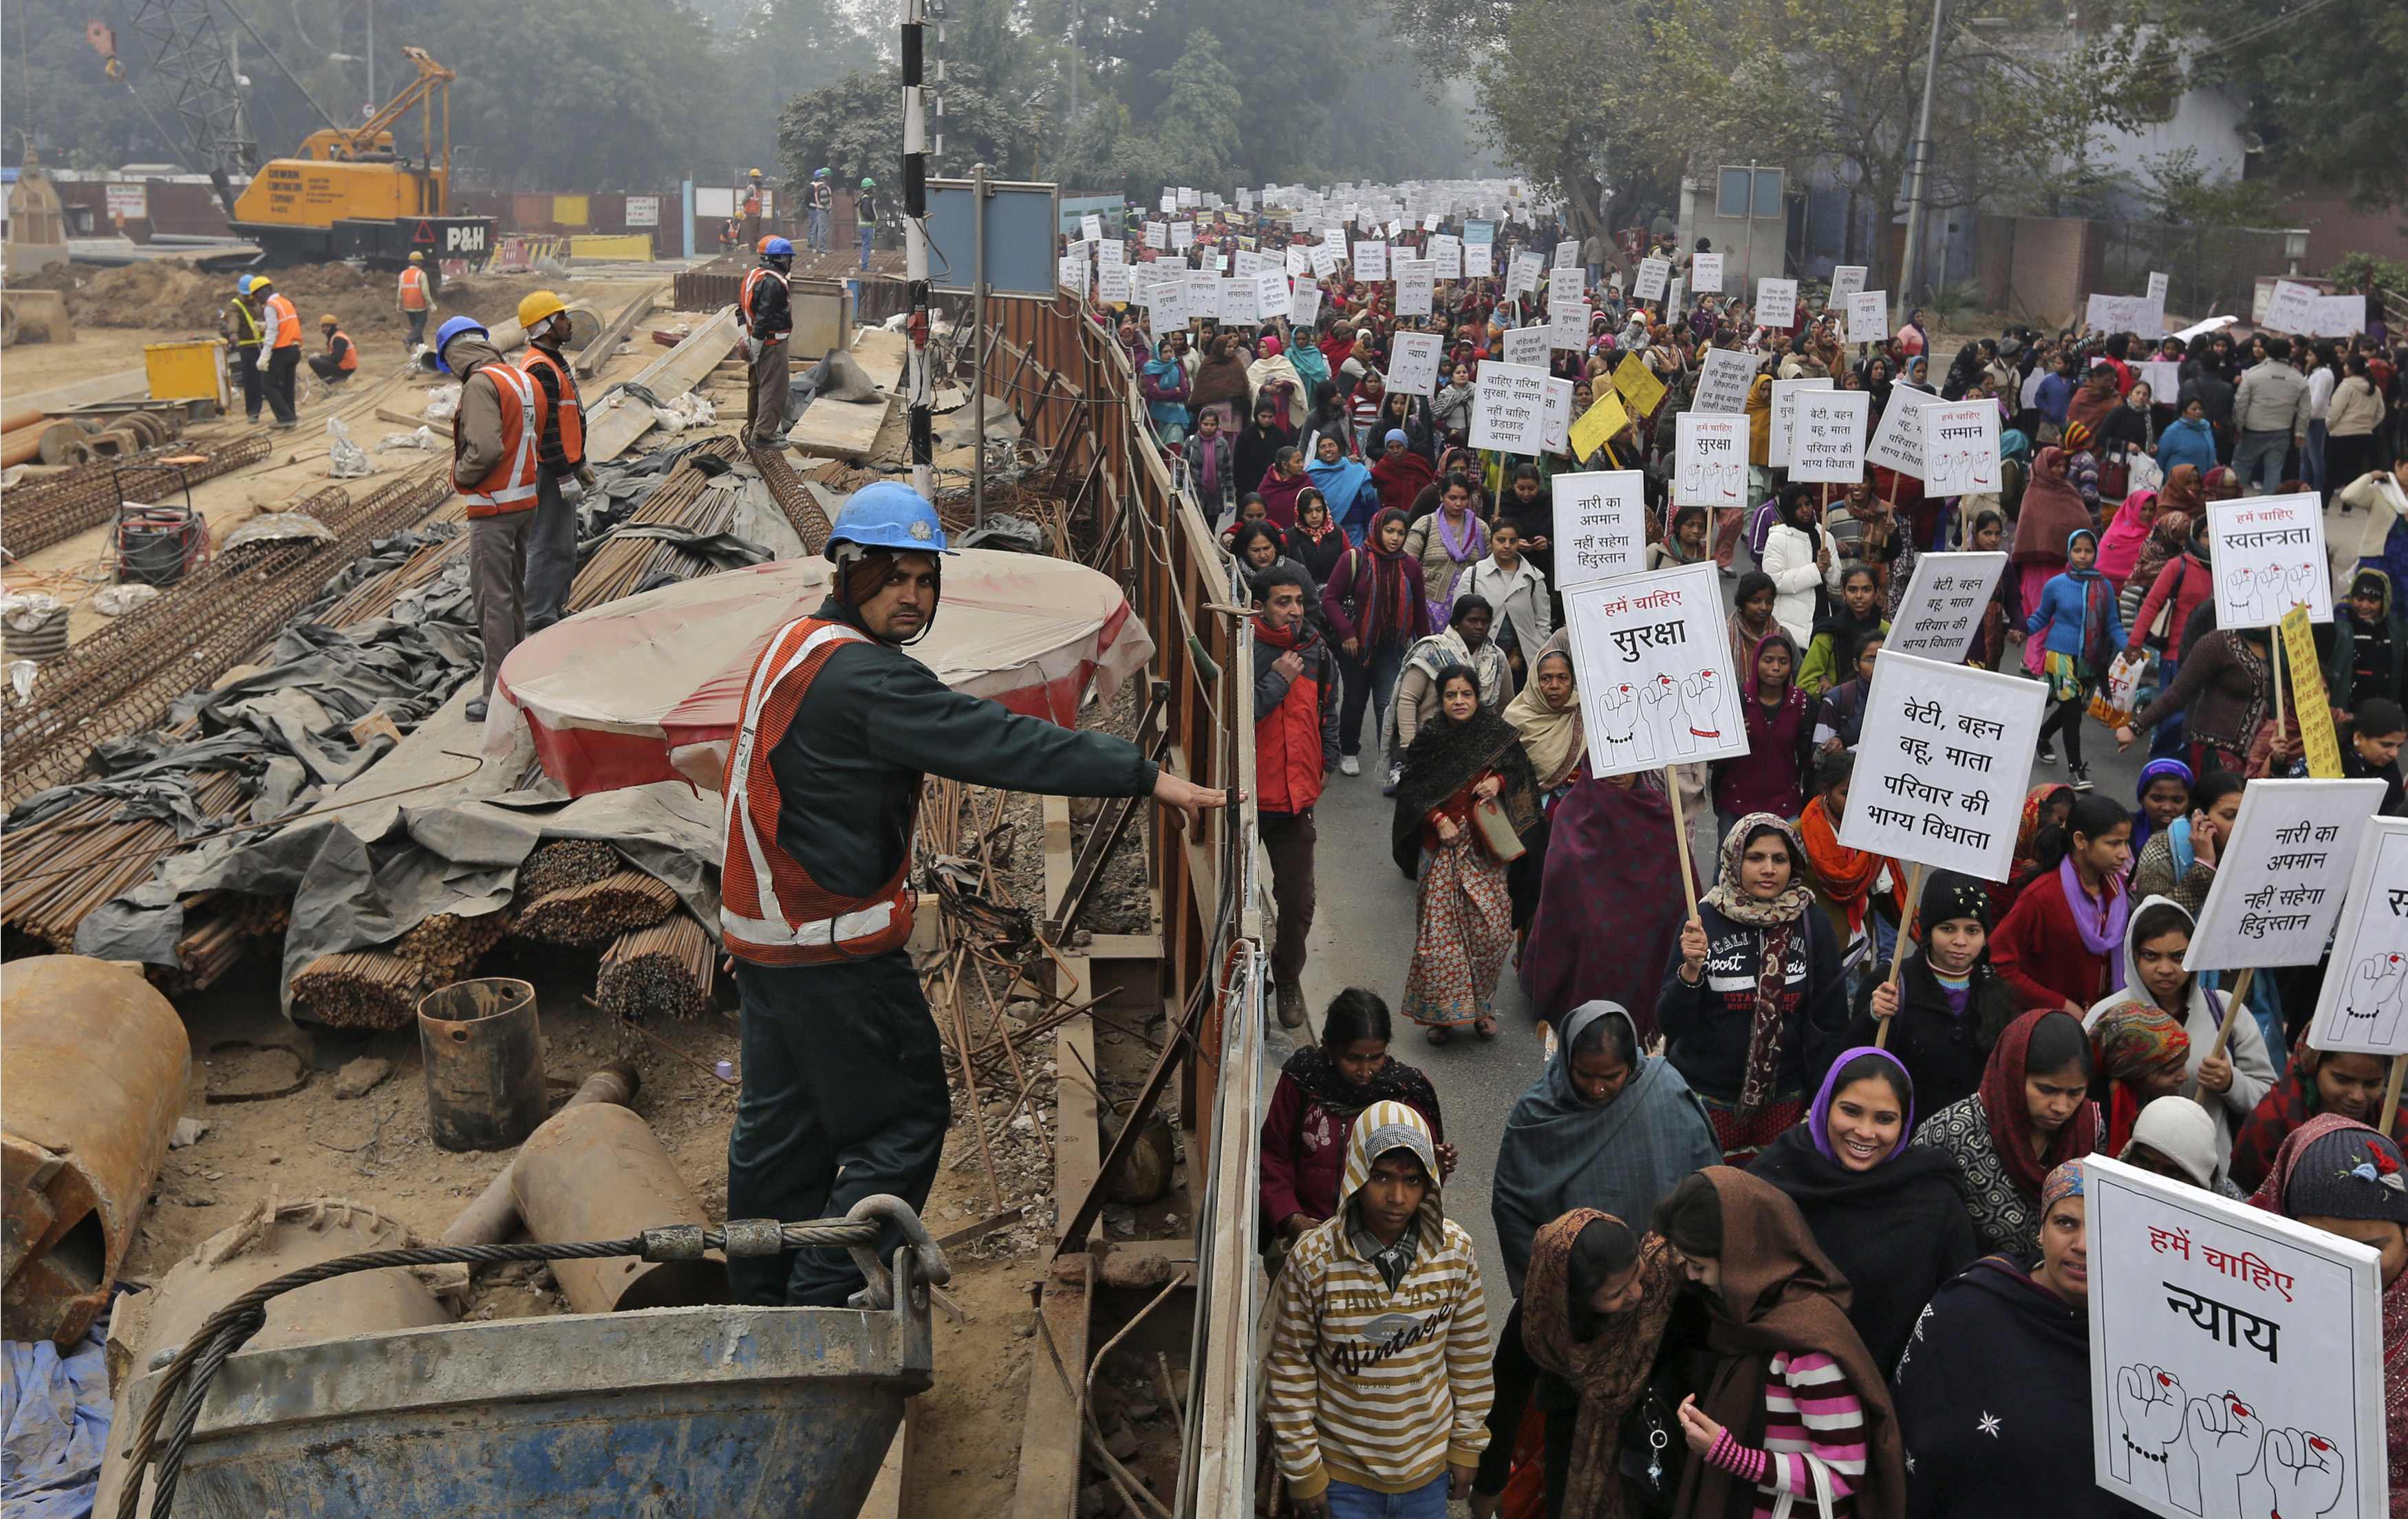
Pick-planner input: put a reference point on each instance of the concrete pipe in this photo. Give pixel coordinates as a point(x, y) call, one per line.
point(597, 1172)
point(94, 1062)
point(493, 1217)
point(63, 444)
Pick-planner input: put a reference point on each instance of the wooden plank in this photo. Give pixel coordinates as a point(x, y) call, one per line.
point(619, 419)
point(1124, 947)
point(881, 354)
point(890, 1495)
point(846, 430)
point(1079, 1136)
point(606, 343)
point(1050, 1431)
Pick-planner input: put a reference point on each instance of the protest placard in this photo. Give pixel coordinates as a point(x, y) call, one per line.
point(1637, 385)
point(1522, 278)
point(1674, 296)
point(1304, 306)
point(1187, 197)
point(1416, 286)
point(2279, 878)
point(2338, 316)
point(2164, 378)
point(1527, 345)
point(1370, 261)
point(1722, 381)
point(1157, 235)
point(1324, 260)
point(1600, 526)
point(1508, 407)
point(1113, 283)
point(1897, 441)
point(2236, 1355)
point(1598, 425)
point(1412, 362)
point(1300, 261)
point(1945, 600)
point(1247, 265)
point(1784, 414)
point(1447, 253)
point(2291, 308)
point(2269, 552)
point(1653, 658)
point(1846, 279)
point(1960, 446)
point(1706, 274)
point(2319, 744)
point(1556, 438)
point(1709, 460)
point(1827, 442)
point(1776, 302)
point(1071, 273)
point(1653, 272)
point(2365, 988)
point(2158, 285)
point(1236, 303)
point(1270, 294)
point(1111, 250)
point(1567, 327)
point(1566, 254)
point(2125, 313)
point(1942, 764)
point(1091, 228)
point(1478, 261)
point(1183, 235)
point(1169, 201)
point(1868, 316)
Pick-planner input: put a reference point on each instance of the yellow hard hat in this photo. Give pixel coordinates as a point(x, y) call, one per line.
point(417, 257)
point(328, 321)
point(754, 173)
point(539, 306)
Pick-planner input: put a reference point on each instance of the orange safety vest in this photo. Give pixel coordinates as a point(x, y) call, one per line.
point(413, 289)
point(351, 359)
point(569, 410)
point(509, 486)
point(288, 322)
point(771, 911)
point(744, 291)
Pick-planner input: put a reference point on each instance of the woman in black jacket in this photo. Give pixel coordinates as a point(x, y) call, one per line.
point(1259, 443)
point(1948, 1005)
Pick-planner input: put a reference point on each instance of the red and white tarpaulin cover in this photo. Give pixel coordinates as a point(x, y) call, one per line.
point(647, 687)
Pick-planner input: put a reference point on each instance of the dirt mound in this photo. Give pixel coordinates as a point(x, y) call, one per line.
point(171, 293)
point(159, 292)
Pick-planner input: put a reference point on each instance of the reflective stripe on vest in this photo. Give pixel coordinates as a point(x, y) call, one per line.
point(567, 407)
point(513, 481)
point(288, 322)
point(865, 925)
point(413, 289)
point(351, 359)
point(744, 293)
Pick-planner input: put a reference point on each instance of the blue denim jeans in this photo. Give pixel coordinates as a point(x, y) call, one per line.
point(1348, 1501)
point(2259, 461)
point(866, 233)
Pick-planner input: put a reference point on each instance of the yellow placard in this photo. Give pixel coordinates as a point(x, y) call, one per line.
point(1638, 384)
point(2308, 699)
point(1602, 421)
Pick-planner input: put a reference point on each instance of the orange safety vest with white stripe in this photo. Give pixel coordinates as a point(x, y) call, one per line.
point(771, 911)
point(509, 486)
point(286, 321)
point(567, 410)
point(351, 359)
point(753, 279)
point(413, 289)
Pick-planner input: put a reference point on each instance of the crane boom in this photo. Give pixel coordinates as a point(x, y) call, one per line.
point(190, 56)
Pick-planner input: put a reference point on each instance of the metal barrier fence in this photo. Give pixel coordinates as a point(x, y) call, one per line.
point(1074, 392)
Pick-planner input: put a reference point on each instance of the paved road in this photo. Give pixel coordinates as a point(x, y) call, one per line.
point(1363, 935)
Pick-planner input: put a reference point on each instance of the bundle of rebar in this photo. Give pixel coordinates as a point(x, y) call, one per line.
point(446, 947)
point(43, 513)
point(219, 926)
point(622, 565)
point(565, 863)
point(665, 969)
point(63, 867)
point(802, 509)
point(360, 989)
point(590, 914)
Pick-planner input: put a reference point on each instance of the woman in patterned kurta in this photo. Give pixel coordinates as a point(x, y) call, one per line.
point(1465, 756)
point(2033, 1113)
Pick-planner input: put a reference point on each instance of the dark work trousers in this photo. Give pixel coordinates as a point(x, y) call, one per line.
point(283, 368)
point(765, 405)
point(844, 1098)
point(498, 564)
point(417, 321)
point(1516, 1379)
point(253, 386)
point(550, 554)
point(1288, 839)
point(1369, 681)
point(328, 368)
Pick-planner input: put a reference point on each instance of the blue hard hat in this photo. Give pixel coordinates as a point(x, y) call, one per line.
point(449, 330)
point(888, 515)
point(819, 174)
point(242, 286)
point(777, 248)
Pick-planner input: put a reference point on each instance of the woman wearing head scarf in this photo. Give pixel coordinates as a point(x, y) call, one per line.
point(2164, 793)
point(1756, 991)
point(1321, 1091)
point(1282, 485)
point(1465, 755)
point(1261, 442)
point(2346, 1179)
point(1446, 541)
point(1353, 498)
point(1373, 606)
point(1274, 377)
point(1794, 1405)
point(2033, 1113)
point(1327, 419)
point(2053, 512)
point(1993, 1392)
point(2082, 464)
point(1780, 722)
point(1316, 540)
point(2137, 1053)
point(1164, 382)
point(2061, 944)
point(1800, 560)
point(1400, 474)
point(1949, 1006)
point(1220, 384)
point(1463, 643)
point(1885, 1212)
point(2119, 547)
point(2231, 1085)
point(1546, 716)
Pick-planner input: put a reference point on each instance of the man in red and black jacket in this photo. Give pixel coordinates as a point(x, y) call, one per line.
point(1296, 746)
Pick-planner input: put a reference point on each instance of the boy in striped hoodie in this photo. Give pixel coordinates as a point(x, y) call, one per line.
point(1380, 1356)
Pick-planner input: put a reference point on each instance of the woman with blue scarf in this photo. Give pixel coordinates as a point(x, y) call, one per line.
point(1165, 382)
point(2078, 618)
point(1346, 485)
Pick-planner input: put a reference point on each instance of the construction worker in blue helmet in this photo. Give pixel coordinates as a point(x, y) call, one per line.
point(243, 333)
point(497, 433)
point(767, 315)
point(815, 219)
point(844, 1092)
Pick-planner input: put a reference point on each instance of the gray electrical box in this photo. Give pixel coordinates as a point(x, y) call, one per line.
point(1021, 220)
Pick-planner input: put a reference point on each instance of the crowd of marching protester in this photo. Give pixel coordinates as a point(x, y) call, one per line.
point(1785, 1216)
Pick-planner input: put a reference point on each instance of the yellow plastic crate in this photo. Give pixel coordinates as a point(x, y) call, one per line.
point(188, 371)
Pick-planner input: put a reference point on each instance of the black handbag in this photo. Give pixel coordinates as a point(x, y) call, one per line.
point(1652, 1452)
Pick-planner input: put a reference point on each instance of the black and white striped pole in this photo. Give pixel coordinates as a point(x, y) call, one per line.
point(919, 388)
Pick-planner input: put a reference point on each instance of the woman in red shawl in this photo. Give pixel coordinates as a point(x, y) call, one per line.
point(1282, 483)
point(1398, 473)
point(2053, 512)
point(2031, 1113)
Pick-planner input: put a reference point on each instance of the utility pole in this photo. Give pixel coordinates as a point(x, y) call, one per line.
point(1918, 168)
point(918, 385)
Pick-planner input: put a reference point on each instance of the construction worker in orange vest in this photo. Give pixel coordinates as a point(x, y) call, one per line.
point(768, 313)
point(280, 337)
point(844, 1081)
point(417, 297)
point(335, 363)
point(564, 476)
point(752, 207)
point(495, 436)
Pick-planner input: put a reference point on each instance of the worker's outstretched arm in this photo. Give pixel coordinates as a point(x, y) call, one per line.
point(916, 722)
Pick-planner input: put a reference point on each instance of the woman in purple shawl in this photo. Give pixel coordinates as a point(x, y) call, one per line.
point(1611, 904)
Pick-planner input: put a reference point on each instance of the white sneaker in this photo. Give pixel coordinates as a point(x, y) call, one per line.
point(1348, 764)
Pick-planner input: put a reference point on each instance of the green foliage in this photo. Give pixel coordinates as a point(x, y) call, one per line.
point(2353, 270)
point(2179, 190)
point(855, 127)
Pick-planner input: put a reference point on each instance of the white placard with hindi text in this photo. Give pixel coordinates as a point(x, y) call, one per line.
point(1478, 261)
point(1304, 308)
point(1113, 283)
point(1558, 437)
point(2269, 552)
point(1722, 381)
point(1157, 235)
point(1508, 407)
point(1412, 362)
point(1270, 295)
point(1248, 263)
point(1523, 278)
point(1324, 260)
point(2280, 877)
point(1776, 302)
point(1416, 286)
point(2338, 316)
point(1710, 467)
point(2365, 990)
point(1651, 655)
point(1868, 316)
point(1945, 600)
point(1091, 228)
point(1446, 252)
point(2158, 285)
point(1846, 279)
point(1942, 764)
point(1111, 250)
point(1960, 446)
point(1897, 441)
point(2125, 313)
point(2291, 308)
point(1706, 274)
point(1827, 442)
point(1652, 273)
point(1299, 262)
point(1235, 303)
point(1567, 254)
point(1370, 261)
point(1183, 235)
point(1527, 345)
point(1071, 273)
point(2236, 1355)
point(1784, 415)
point(1600, 526)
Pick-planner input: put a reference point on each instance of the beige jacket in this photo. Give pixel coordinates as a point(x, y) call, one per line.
point(477, 427)
point(2357, 408)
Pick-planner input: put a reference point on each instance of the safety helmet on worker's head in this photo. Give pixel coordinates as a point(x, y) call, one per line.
point(819, 174)
point(537, 306)
point(417, 257)
point(754, 174)
point(329, 319)
point(776, 249)
point(868, 183)
point(450, 330)
point(259, 282)
point(887, 515)
point(244, 285)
